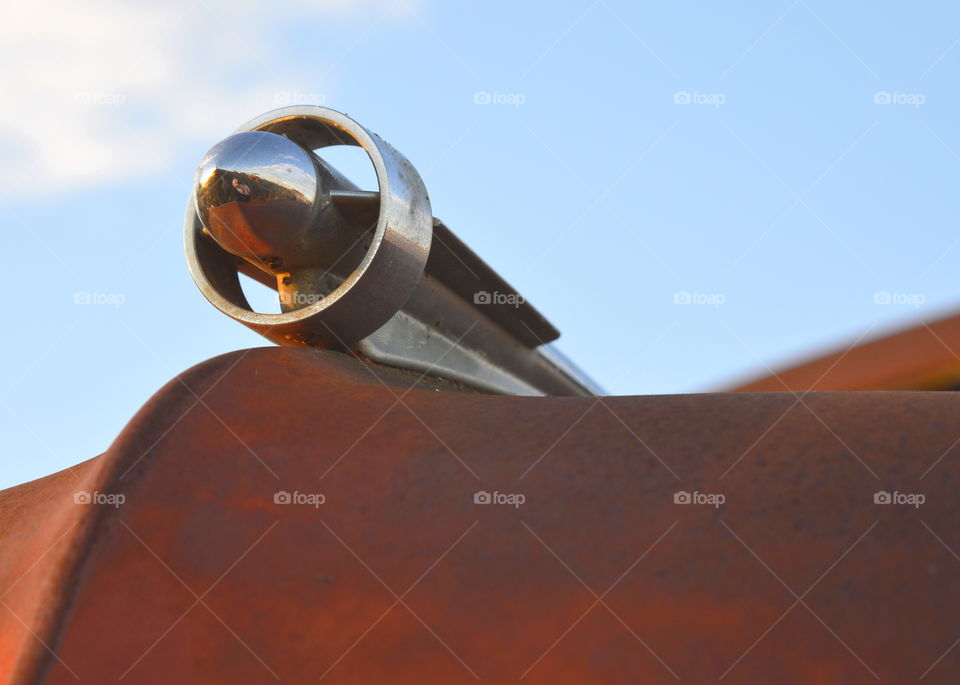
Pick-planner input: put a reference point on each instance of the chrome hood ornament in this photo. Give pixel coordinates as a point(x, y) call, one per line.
point(370, 272)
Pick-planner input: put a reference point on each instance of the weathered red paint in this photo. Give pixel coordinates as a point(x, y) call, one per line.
point(924, 357)
point(305, 594)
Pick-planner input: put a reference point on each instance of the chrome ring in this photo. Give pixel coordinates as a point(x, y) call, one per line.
point(386, 276)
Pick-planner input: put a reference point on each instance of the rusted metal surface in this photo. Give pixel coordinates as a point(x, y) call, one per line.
point(201, 576)
point(925, 357)
point(41, 540)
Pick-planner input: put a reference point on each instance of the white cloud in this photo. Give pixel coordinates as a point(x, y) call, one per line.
point(101, 90)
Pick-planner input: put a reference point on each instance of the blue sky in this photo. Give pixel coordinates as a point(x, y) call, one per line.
point(778, 162)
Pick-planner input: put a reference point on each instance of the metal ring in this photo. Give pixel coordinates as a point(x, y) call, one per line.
point(386, 276)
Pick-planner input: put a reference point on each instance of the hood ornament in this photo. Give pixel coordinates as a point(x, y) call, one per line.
point(371, 272)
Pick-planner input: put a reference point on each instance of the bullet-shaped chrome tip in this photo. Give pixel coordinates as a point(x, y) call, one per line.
point(256, 194)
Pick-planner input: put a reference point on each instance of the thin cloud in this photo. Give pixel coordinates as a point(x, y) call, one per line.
point(108, 90)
